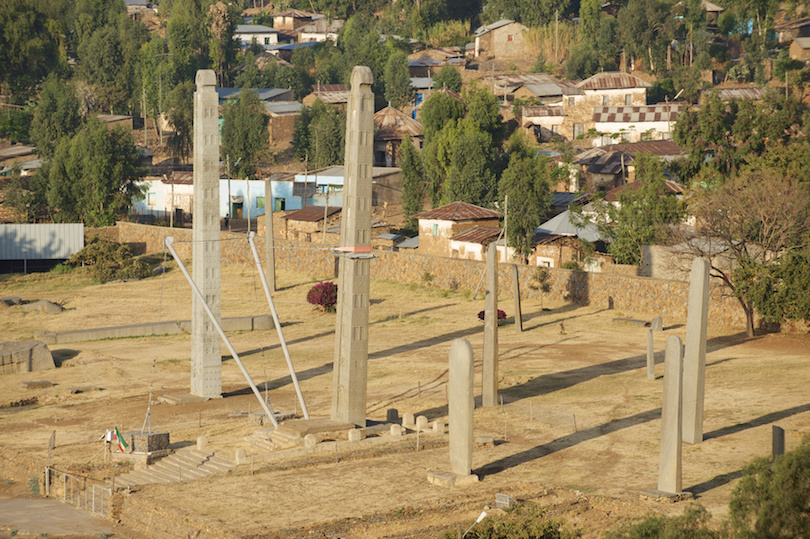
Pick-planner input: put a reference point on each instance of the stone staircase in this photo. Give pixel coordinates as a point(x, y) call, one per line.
point(182, 465)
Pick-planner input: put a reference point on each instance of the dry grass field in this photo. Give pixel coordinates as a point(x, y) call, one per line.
point(578, 430)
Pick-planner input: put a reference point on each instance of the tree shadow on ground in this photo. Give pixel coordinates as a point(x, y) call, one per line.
point(565, 442)
point(756, 422)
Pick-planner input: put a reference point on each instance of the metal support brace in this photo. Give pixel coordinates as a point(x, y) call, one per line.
point(276, 322)
point(168, 243)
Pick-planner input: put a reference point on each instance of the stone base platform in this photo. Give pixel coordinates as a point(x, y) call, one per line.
point(449, 479)
point(316, 426)
point(661, 496)
point(181, 398)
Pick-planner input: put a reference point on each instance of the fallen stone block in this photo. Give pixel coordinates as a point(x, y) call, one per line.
point(11, 300)
point(25, 356)
point(36, 384)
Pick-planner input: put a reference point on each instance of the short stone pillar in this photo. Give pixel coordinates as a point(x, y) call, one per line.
point(241, 456)
point(392, 415)
point(669, 468)
point(657, 324)
point(777, 441)
point(650, 355)
point(694, 358)
point(461, 409)
point(355, 435)
point(407, 420)
point(516, 291)
point(438, 427)
point(421, 423)
point(310, 441)
point(395, 430)
point(202, 443)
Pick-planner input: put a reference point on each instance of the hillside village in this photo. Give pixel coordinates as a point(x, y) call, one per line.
point(616, 116)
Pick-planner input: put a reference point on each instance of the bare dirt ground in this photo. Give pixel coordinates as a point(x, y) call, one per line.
point(578, 430)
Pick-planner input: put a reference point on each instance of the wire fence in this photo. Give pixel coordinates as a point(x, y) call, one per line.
point(81, 492)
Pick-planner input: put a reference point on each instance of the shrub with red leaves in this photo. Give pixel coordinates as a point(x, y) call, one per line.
point(323, 296)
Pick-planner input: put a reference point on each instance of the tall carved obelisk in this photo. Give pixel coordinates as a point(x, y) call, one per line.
point(351, 332)
point(206, 347)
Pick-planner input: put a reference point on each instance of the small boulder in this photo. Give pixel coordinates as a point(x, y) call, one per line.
point(11, 300)
point(25, 356)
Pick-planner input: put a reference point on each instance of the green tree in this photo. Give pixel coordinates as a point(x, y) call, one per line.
point(21, 197)
point(484, 112)
point(93, 176)
point(526, 184)
point(448, 77)
point(398, 89)
point(646, 29)
point(589, 13)
point(244, 133)
point(180, 114)
point(437, 111)
point(693, 523)
point(223, 45)
point(28, 51)
point(771, 499)
point(319, 135)
point(360, 43)
point(55, 116)
point(582, 61)
point(470, 176)
point(757, 217)
point(413, 178)
point(528, 12)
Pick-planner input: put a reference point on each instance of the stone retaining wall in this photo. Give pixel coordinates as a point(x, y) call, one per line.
point(642, 295)
point(150, 520)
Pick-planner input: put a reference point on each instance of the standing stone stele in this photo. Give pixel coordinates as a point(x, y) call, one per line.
point(650, 355)
point(777, 441)
point(516, 290)
point(269, 239)
point(460, 415)
point(489, 377)
point(351, 332)
point(694, 359)
point(206, 347)
point(669, 467)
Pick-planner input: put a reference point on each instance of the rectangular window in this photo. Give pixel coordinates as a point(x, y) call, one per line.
point(151, 199)
point(579, 129)
point(628, 99)
point(435, 230)
point(267, 41)
point(280, 204)
point(571, 101)
point(260, 202)
point(509, 38)
point(605, 101)
point(555, 129)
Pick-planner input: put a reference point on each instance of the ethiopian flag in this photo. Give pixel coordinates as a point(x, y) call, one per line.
point(122, 444)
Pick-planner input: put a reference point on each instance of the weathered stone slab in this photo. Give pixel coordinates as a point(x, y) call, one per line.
point(181, 398)
point(449, 479)
point(657, 324)
point(669, 468)
point(461, 406)
point(37, 384)
point(11, 300)
point(82, 389)
point(43, 306)
point(25, 356)
point(315, 426)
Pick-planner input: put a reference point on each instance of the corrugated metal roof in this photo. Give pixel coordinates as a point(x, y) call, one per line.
point(181, 178)
point(562, 198)
point(552, 89)
point(283, 107)
point(803, 42)
point(311, 213)
point(264, 94)
point(254, 29)
point(295, 13)
point(540, 111)
point(393, 124)
point(648, 113)
point(481, 30)
point(458, 211)
point(447, 91)
point(753, 93)
point(480, 234)
point(612, 79)
point(613, 194)
point(18, 150)
point(410, 243)
point(654, 147)
point(41, 241)
point(331, 93)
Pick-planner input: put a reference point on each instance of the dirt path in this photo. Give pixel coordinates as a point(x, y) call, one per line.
point(578, 430)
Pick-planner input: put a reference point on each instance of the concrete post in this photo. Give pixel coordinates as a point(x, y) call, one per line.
point(351, 332)
point(650, 355)
point(694, 360)
point(461, 407)
point(206, 348)
point(669, 468)
point(516, 290)
point(269, 240)
point(489, 376)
